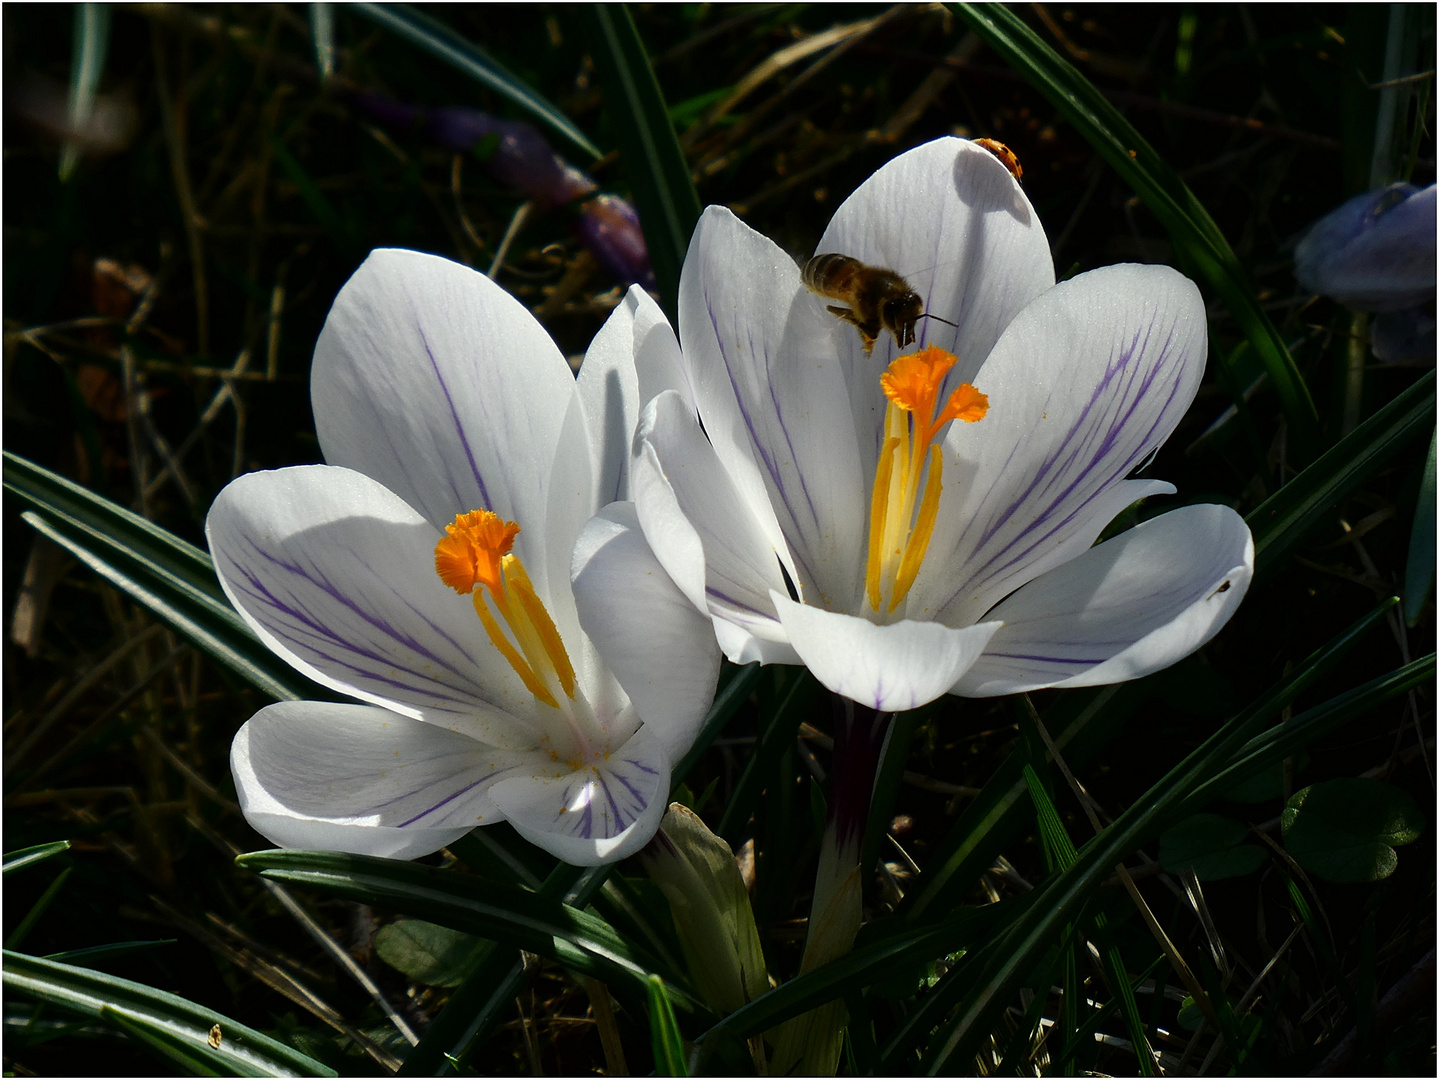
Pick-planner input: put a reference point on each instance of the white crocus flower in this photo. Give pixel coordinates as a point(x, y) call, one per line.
point(925, 536)
point(427, 569)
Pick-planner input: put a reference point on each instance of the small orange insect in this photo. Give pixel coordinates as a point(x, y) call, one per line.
point(1006, 156)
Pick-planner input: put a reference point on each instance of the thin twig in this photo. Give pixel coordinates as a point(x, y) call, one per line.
point(1176, 959)
point(455, 190)
point(521, 215)
point(172, 122)
point(76, 692)
point(316, 931)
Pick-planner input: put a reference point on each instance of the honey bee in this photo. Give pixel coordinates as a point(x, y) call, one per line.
point(878, 299)
point(1006, 156)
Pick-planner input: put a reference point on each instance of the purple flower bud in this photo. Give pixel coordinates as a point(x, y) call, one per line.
point(1404, 335)
point(1374, 253)
point(387, 111)
point(610, 228)
point(523, 159)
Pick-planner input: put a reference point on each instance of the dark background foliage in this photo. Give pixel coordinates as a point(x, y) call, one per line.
point(241, 193)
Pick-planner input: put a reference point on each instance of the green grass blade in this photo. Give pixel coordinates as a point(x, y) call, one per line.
point(322, 37)
point(1002, 806)
point(1287, 739)
point(341, 233)
point(485, 998)
point(21, 932)
point(185, 1057)
point(1062, 854)
point(887, 781)
point(1419, 571)
point(1059, 848)
point(459, 52)
point(58, 497)
point(1128, 1007)
point(242, 1050)
point(209, 626)
point(669, 1046)
point(776, 734)
point(87, 957)
point(731, 696)
point(87, 65)
point(500, 912)
point(1287, 516)
point(991, 987)
point(18, 860)
point(868, 963)
point(660, 178)
point(1167, 196)
point(172, 578)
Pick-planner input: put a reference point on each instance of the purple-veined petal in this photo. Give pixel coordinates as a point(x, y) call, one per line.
point(660, 648)
point(357, 778)
point(890, 668)
point(698, 524)
point(435, 381)
point(337, 575)
point(1134, 604)
point(950, 220)
point(1084, 385)
point(770, 386)
point(596, 814)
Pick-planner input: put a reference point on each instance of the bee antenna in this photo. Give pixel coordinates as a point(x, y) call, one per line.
point(946, 322)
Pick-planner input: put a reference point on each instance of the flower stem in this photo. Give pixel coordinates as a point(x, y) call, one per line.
point(811, 1044)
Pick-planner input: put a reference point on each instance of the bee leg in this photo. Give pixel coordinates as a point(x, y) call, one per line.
point(867, 331)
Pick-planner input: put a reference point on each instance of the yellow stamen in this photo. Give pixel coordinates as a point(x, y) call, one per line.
point(878, 509)
point(540, 619)
point(923, 530)
point(914, 418)
point(476, 552)
point(510, 653)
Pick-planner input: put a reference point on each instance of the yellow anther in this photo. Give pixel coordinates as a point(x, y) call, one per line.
point(914, 418)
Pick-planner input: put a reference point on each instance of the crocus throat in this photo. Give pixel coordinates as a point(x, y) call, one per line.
point(898, 534)
point(476, 551)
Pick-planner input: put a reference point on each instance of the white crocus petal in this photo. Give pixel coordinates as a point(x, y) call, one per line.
point(356, 778)
point(415, 381)
point(754, 639)
point(1132, 605)
point(890, 668)
point(769, 385)
point(337, 575)
point(660, 648)
point(609, 395)
point(597, 814)
point(1121, 351)
point(658, 362)
point(950, 220)
point(701, 527)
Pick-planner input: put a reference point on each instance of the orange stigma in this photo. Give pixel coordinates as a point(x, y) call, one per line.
point(471, 551)
point(475, 557)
